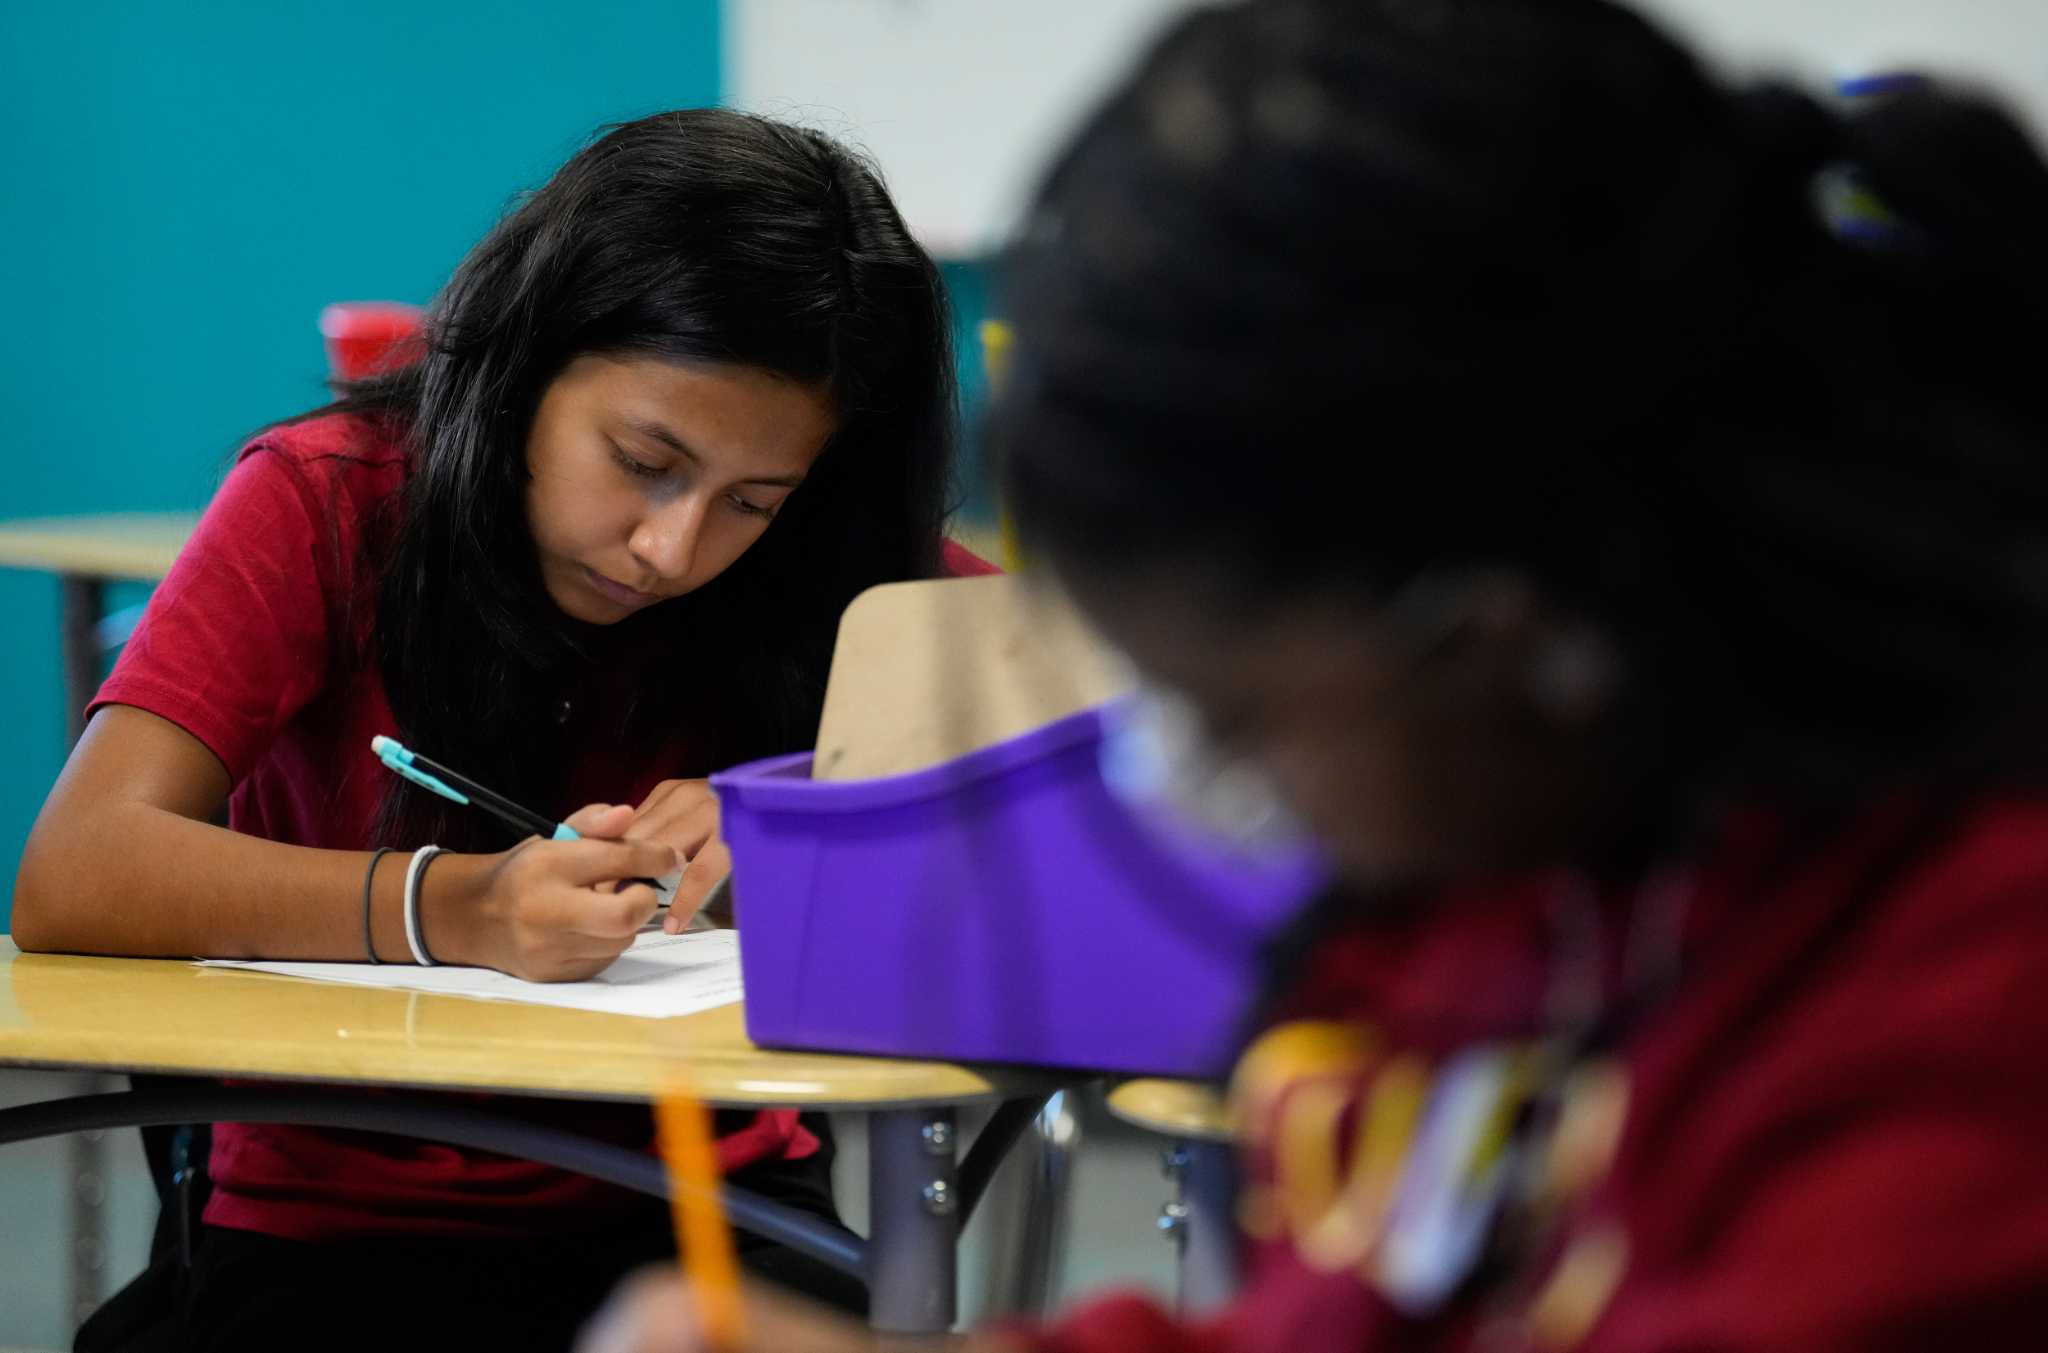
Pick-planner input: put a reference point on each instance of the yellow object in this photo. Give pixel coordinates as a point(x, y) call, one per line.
point(1571, 1303)
point(997, 339)
point(1286, 1055)
point(1347, 1235)
point(1595, 1110)
point(1186, 1109)
point(703, 1239)
point(1517, 1087)
point(139, 545)
point(1306, 1176)
point(1012, 553)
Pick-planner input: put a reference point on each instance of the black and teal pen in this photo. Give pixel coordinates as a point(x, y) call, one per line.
point(450, 784)
point(454, 785)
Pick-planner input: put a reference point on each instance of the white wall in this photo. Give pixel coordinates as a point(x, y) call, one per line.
point(2000, 42)
point(962, 100)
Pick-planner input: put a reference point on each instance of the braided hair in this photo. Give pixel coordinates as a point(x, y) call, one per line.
point(1333, 293)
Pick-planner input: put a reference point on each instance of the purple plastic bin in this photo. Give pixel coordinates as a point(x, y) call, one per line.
point(1002, 907)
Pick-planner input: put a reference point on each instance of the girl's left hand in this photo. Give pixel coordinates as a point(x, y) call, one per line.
point(683, 814)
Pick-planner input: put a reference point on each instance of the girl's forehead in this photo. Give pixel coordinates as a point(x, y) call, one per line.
point(714, 411)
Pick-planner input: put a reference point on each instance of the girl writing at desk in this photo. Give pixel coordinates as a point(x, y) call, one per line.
point(1612, 511)
point(668, 418)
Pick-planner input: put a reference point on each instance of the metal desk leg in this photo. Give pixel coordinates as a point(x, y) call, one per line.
point(87, 1198)
point(1028, 1210)
point(80, 600)
point(1201, 1225)
point(913, 1221)
point(1043, 1233)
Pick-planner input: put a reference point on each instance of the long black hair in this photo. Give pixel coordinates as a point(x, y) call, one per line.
point(698, 235)
point(1335, 292)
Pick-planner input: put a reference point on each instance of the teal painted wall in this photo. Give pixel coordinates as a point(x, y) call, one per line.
point(187, 184)
point(970, 287)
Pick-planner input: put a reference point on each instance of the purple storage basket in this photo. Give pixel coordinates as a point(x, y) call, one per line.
point(1001, 907)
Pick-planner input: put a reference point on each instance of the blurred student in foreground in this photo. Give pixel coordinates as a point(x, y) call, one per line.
point(1611, 510)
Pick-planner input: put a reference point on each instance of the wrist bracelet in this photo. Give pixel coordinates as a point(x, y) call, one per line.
point(413, 872)
point(369, 877)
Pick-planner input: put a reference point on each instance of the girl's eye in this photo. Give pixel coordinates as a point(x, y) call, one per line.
point(751, 509)
point(635, 467)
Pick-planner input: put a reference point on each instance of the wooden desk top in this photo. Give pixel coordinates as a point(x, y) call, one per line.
point(1186, 1109)
point(139, 545)
point(132, 1014)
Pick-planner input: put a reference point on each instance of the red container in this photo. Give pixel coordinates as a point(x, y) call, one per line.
point(368, 337)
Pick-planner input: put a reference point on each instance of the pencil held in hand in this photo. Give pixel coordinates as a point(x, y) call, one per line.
point(703, 1240)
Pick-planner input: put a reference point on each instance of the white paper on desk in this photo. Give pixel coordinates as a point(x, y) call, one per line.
point(661, 976)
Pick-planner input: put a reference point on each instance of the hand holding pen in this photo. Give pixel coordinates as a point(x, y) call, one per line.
point(555, 910)
point(550, 909)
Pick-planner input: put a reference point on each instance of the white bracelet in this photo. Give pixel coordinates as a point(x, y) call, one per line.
point(412, 903)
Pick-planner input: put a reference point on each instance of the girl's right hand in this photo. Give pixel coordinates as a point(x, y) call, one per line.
point(550, 911)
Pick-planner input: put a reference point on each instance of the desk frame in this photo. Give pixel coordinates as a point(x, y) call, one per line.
point(921, 1195)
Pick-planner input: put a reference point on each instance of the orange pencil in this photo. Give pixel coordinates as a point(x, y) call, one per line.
point(703, 1240)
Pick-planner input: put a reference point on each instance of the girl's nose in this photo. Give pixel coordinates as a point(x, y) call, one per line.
point(666, 538)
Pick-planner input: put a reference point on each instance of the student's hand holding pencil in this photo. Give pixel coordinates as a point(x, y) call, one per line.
point(547, 911)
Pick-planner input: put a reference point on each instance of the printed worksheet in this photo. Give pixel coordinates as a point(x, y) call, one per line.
point(660, 977)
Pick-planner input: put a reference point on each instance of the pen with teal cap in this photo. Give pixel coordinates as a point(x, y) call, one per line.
point(451, 784)
point(454, 785)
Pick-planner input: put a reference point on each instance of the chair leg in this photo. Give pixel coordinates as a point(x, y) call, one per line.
point(1201, 1225)
point(1033, 1201)
point(85, 1213)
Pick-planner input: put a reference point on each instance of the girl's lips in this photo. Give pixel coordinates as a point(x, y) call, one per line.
point(618, 592)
